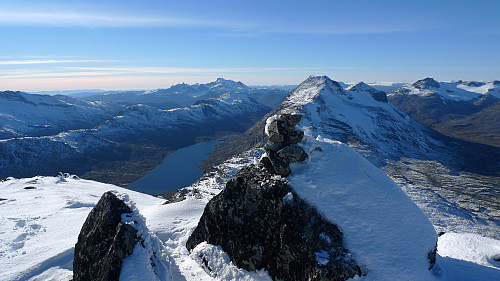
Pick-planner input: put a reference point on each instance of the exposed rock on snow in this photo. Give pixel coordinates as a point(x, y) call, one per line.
point(104, 241)
point(260, 223)
point(362, 87)
point(280, 148)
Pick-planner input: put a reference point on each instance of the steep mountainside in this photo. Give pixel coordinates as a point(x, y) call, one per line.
point(465, 110)
point(433, 169)
point(23, 114)
point(124, 147)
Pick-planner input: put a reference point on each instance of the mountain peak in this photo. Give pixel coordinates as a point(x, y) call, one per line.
point(360, 87)
point(363, 87)
point(426, 83)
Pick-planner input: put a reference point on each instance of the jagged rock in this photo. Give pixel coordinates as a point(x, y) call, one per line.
point(291, 154)
point(273, 146)
point(104, 241)
point(291, 119)
point(260, 223)
point(293, 137)
point(275, 131)
point(279, 167)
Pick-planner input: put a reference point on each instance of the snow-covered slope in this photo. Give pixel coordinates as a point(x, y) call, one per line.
point(183, 94)
point(42, 217)
point(464, 110)
point(354, 116)
point(23, 114)
point(456, 90)
point(152, 123)
point(135, 127)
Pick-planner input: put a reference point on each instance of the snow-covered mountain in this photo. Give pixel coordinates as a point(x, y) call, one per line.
point(23, 114)
point(124, 147)
point(466, 110)
point(183, 94)
point(232, 111)
point(433, 169)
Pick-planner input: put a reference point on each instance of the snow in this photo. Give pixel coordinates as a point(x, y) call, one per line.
point(269, 121)
point(40, 226)
point(218, 264)
point(387, 234)
point(470, 247)
point(468, 257)
point(456, 91)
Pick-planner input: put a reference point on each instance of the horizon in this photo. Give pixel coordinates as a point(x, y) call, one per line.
point(121, 45)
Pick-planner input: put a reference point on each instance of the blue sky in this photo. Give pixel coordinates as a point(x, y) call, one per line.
point(55, 45)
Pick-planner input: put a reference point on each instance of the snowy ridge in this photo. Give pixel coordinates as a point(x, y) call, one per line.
point(143, 118)
point(376, 129)
point(457, 91)
point(387, 234)
point(23, 114)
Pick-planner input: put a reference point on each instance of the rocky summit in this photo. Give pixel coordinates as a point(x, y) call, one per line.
point(104, 241)
point(260, 222)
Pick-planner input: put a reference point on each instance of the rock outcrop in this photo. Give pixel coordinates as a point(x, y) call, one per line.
point(261, 223)
point(281, 147)
point(104, 241)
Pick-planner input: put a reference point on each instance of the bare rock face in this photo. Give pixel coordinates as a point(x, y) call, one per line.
point(104, 241)
point(259, 221)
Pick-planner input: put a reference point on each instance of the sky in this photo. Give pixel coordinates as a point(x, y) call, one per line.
point(62, 45)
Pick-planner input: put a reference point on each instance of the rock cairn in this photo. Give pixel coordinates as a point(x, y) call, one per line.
point(281, 147)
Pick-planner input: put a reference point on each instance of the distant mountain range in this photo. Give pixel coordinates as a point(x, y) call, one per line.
point(181, 95)
point(112, 141)
point(467, 110)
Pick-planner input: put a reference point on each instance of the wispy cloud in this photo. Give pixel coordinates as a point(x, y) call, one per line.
point(235, 28)
point(142, 71)
point(70, 18)
point(45, 61)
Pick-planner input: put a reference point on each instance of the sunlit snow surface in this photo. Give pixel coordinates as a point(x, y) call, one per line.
point(40, 226)
point(385, 231)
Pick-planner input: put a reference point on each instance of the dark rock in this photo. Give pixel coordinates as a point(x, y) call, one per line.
point(261, 223)
point(379, 96)
point(279, 167)
point(291, 119)
point(292, 154)
point(293, 137)
point(274, 146)
point(3, 199)
point(426, 84)
point(275, 131)
point(431, 256)
point(30, 187)
point(266, 162)
point(104, 241)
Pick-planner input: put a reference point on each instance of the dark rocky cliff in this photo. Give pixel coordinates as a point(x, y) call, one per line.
point(104, 241)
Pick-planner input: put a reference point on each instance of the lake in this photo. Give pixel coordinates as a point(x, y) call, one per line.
point(178, 170)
